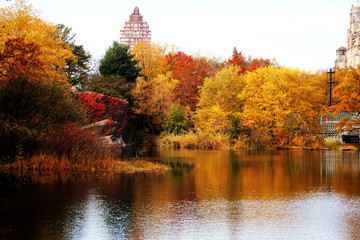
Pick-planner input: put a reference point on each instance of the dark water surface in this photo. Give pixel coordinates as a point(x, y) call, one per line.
point(208, 195)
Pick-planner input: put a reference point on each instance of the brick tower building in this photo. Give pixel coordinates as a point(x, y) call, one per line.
point(135, 30)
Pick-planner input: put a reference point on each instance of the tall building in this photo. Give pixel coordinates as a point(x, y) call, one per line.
point(135, 30)
point(350, 56)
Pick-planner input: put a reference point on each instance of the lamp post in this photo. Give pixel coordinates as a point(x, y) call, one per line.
point(330, 79)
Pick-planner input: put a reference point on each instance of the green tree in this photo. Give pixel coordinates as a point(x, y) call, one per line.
point(235, 130)
point(118, 61)
point(176, 123)
point(112, 85)
point(76, 68)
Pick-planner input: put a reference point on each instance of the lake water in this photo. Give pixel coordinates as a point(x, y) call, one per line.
point(208, 195)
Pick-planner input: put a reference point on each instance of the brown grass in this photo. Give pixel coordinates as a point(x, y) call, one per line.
point(200, 140)
point(350, 147)
point(257, 140)
point(51, 163)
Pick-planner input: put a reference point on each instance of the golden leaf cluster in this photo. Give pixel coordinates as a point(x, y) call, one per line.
point(21, 20)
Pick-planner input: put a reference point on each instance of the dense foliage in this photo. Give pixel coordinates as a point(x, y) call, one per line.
point(34, 91)
point(176, 123)
point(118, 73)
point(29, 111)
point(347, 99)
point(282, 100)
point(119, 62)
point(21, 23)
point(190, 74)
point(244, 101)
point(112, 85)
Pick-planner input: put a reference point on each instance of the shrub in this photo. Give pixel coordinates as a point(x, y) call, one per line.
point(333, 144)
point(235, 129)
point(258, 139)
point(311, 141)
point(176, 123)
point(29, 111)
point(200, 139)
point(76, 143)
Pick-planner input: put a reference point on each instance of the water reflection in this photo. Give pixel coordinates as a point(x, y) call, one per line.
point(209, 195)
point(89, 222)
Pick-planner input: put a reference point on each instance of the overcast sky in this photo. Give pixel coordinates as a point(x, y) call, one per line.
point(300, 34)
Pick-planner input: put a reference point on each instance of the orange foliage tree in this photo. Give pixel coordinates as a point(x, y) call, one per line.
point(191, 74)
point(20, 60)
point(249, 65)
point(21, 21)
point(347, 98)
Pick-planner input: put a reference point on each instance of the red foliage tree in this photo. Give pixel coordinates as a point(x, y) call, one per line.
point(191, 74)
point(249, 65)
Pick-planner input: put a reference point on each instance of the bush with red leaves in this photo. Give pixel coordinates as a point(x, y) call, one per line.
point(101, 107)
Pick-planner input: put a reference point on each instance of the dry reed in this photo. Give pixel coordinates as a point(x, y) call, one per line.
point(51, 163)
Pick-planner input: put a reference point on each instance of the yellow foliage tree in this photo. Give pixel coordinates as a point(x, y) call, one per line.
point(219, 100)
point(21, 21)
point(222, 90)
point(347, 96)
point(151, 59)
point(155, 97)
point(282, 99)
point(212, 119)
point(154, 89)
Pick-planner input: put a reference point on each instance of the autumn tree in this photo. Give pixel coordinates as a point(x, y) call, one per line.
point(282, 99)
point(223, 89)
point(154, 88)
point(219, 100)
point(20, 60)
point(34, 91)
point(343, 78)
point(212, 119)
point(155, 97)
point(347, 98)
point(21, 21)
point(191, 74)
point(246, 65)
point(151, 58)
